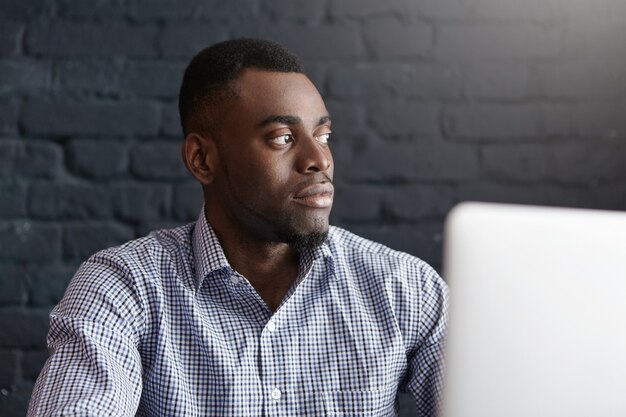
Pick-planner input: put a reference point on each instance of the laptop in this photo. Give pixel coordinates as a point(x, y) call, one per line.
point(538, 312)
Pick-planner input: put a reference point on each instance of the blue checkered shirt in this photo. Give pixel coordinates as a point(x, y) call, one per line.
point(163, 326)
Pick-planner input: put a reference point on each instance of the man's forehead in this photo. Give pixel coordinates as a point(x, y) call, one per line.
point(267, 97)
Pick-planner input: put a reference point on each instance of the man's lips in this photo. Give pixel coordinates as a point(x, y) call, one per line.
point(318, 195)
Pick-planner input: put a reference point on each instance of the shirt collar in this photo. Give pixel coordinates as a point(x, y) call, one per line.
point(209, 257)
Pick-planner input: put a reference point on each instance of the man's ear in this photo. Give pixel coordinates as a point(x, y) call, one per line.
point(200, 156)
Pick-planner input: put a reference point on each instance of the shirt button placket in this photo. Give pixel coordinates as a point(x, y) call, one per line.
point(271, 326)
point(272, 370)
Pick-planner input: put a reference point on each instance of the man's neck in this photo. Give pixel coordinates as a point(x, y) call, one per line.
point(271, 267)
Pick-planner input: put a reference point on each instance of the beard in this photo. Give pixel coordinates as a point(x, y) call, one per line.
point(303, 242)
point(285, 227)
point(299, 240)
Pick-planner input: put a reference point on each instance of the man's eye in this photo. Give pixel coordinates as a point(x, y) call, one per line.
point(282, 139)
point(323, 138)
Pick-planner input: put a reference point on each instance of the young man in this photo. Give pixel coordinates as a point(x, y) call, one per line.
point(259, 307)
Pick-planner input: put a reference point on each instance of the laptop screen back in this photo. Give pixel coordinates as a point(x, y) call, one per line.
point(538, 312)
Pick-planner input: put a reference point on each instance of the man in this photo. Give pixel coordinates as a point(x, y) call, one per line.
point(259, 307)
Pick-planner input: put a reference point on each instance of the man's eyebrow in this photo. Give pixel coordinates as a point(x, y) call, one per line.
point(284, 119)
point(324, 120)
point(290, 120)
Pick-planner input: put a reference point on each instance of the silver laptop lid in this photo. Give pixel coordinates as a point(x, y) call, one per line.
point(538, 312)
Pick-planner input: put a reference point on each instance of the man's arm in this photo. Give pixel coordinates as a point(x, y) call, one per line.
point(426, 359)
point(94, 368)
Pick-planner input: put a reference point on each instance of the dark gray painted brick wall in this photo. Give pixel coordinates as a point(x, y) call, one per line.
point(435, 102)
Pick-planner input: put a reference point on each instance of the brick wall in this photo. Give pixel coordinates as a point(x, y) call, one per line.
point(434, 102)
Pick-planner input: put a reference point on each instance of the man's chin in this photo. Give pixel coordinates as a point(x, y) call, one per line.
point(305, 242)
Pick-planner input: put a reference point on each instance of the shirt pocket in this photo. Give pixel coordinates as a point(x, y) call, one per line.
point(360, 403)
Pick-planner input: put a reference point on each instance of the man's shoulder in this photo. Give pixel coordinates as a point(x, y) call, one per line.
point(150, 248)
point(350, 245)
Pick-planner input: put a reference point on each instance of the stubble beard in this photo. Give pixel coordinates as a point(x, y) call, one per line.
point(303, 242)
point(285, 225)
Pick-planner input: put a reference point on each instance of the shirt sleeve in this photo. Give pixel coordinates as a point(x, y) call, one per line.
point(426, 358)
point(94, 368)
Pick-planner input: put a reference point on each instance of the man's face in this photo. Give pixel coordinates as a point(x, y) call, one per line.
point(276, 168)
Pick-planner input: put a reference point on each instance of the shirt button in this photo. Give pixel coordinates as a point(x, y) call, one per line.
point(276, 394)
point(271, 326)
point(234, 279)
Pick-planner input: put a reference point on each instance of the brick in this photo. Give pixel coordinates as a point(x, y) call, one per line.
point(103, 118)
point(66, 201)
point(91, 9)
point(362, 80)
point(8, 115)
point(97, 158)
point(32, 363)
point(506, 121)
point(390, 38)
point(496, 42)
point(84, 239)
point(13, 201)
point(141, 202)
point(8, 368)
point(517, 162)
point(185, 40)
point(100, 76)
point(36, 159)
point(153, 79)
point(347, 117)
point(359, 9)
point(47, 284)
point(401, 162)
point(14, 402)
point(607, 197)
point(22, 9)
point(406, 405)
point(24, 77)
point(298, 10)
point(26, 241)
point(144, 228)
point(599, 38)
point(429, 81)
point(599, 119)
point(513, 11)
point(536, 194)
point(13, 285)
point(500, 81)
point(423, 80)
point(404, 117)
point(187, 201)
point(192, 9)
point(170, 125)
point(583, 79)
point(158, 160)
point(357, 202)
point(63, 38)
point(23, 328)
point(340, 41)
point(590, 162)
point(418, 202)
point(580, 10)
point(10, 35)
point(443, 10)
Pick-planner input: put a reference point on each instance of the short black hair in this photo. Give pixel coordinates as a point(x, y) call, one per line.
point(209, 75)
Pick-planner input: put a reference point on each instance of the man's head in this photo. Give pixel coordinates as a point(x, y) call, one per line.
point(208, 79)
point(256, 136)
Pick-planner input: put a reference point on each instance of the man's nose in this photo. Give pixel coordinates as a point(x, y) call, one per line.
point(313, 156)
